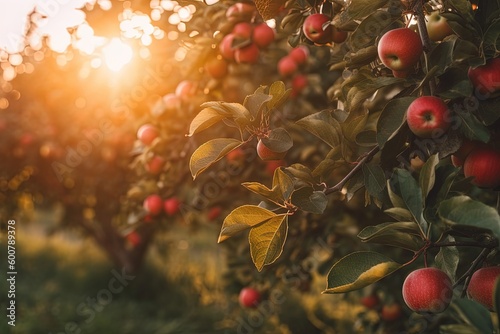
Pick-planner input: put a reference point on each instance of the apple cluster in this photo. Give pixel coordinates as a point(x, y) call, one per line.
point(289, 65)
point(154, 205)
point(244, 42)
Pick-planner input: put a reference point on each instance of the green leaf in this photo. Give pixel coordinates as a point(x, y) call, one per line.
point(396, 200)
point(211, 152)
point(353, 126)
point(370, 28)
point(488, 110)
point(267, 240)
point(205, 119)
point(279, 94)
point(242, 218)
point(362, 8)
point(411, 196)
point(353, 185)
point(374, 178)
point(279, 140)
point(367, 138)
point(283, 182)
point(400, 214)
point(447, 258)
point(471, 127)
point(458, 329)
point(474, 314)
point(466, 211)
point(427, 176)
point(301, 173)
point(357, 270)
point(404, 235)
point(273, 195)
point(392, 118)
point(309, 200)
point(323, 126)
point(256, 102)
point(364, 89)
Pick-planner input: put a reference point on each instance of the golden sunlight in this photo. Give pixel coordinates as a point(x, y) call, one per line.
point(117, 54)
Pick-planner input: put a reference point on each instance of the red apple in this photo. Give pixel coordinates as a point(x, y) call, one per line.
point(338, 36)
point(483, 164)
point(287, 66)
point(482, 284)
point(214, 213)
point(243, 30)
point(171, 206)
point(134, 238)
point(486, 78)
point(172, 102)
point(155, 165)
point(216, 68)
point(458, 158)
point(247, 55)
point(147, 133)
point(236, 155)
point(391, 312)
point(400, 49)
point(263, 35)
point(265, 153)
point(249, 297)
point(226, 47)
point(437, 27)
point(186, 90)
point(313, 28)
point(299, 54)
point(371, 301)
point(153, 205)
point(299, 82)
point(428, 116)
point(427, 290)
point(240, 11)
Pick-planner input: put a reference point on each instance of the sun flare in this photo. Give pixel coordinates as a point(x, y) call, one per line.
point(117, 54)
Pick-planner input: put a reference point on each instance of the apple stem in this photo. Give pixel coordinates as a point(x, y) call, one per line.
point(367, 157)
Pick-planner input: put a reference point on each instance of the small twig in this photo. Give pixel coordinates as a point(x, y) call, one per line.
point(465, 277)
point(353, 171)
point(424, 36)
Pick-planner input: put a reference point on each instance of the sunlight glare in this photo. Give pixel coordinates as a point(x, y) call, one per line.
point(117, 54)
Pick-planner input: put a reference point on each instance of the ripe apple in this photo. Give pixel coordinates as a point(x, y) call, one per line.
point(263, 35)
point(313, 28)
point(371, 301)
point(299, 82)
point(299, 54)
point(247, 55)
point(428, 116)
point(147, 133)
point(155, 165)
point(186, 90)
point(240, 11)
point(427, 290)
point(271, 166)
point(265, 153)
point(391, 312)
point(236, 155)
point(287, 66)
point(483, 163)
point(437, 27)
point(216, 68)
point(482, 284)
point(486, 78)
point(172, 102)
point(153, 204)
point(249, 297)
point(338, 36)
point(133, 238)
point(171, 206)
point(400, 49)
point(243, 30)
point(214, 213)
point(226, 47)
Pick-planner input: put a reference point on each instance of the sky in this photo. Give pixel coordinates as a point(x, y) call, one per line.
point(52, 21)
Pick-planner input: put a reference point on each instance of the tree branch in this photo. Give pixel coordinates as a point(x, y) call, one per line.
point(353, 171)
